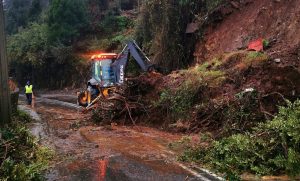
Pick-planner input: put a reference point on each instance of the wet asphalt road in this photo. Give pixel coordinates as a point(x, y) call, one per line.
point(82, 160)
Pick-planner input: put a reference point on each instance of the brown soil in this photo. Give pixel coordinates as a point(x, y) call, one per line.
point(231, 28)
point(275, 20)
point(268, 19)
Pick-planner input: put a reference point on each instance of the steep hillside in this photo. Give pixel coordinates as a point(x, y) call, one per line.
point(228, 87)
point(234, 93)
point(241, 22)
point(252, 19)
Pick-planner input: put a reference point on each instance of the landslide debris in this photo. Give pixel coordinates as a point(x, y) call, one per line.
point(216, 89)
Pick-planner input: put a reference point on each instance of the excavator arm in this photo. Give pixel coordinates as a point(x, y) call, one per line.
point(131, 49)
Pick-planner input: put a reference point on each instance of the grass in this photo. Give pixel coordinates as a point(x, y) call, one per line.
point(209, 72)
point(254, 58)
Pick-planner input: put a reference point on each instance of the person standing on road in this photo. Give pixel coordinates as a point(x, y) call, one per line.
point(28, 92)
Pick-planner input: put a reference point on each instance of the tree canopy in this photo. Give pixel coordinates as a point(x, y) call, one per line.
point(65, 19)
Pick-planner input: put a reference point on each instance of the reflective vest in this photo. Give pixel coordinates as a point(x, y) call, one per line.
point(28, 89)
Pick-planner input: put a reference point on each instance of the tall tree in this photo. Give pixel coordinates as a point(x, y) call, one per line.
point(96, 12)
point(35, 10)
point(17, 14)
point(65, 19)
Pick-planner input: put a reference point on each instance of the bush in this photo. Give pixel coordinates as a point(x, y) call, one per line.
point(194, 81)
point(30, 45)
point(179, 102)
point(271, 148)
point(243, 113)
point(113, 23)
point(22, 116)
point(21, 157)
point(34, 58)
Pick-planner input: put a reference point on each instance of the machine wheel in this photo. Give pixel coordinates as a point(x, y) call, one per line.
point(82, 99)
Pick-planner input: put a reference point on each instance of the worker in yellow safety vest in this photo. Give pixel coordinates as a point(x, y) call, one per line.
point(28, 92)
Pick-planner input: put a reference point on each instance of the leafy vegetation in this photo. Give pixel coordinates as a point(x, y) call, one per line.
point(50, 37)
point(271, 147)
point(46, 42)
point(113, 23)
point(34, 58)
point(253, 58)
point(114, 31)
point(21, 158)
point(29, 45)
point(179, 101)
point(65, 20)
point(17, 15)
point(161, 31)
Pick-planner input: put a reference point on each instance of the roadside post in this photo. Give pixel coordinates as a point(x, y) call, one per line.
point(5, 109)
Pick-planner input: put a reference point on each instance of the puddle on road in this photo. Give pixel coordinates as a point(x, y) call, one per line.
point(125, 154)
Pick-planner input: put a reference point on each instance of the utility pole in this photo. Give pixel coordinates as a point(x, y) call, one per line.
point(5, 110)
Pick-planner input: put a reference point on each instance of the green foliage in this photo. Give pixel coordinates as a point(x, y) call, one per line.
point(30, 45)
point(112, 37)
point(161, 31)
point(119, 39)
point(112, 23)
point(285, 138)
point(35, 10)
point(266, 43)
point(271, 148)
point(22, 116)
point(212, 4)
point(210, 73)
point(95, 11)
point(178, 103)
point(113, 42)
point(242, 114)
point(21, 157)
point(255, 54)
point(97, 44)
point(180, 100)
point(20, 12)
point(17, 15)
point(33, 57)
point(65, 19)
point(255, 58)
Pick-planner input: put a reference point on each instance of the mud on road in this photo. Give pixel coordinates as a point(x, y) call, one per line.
point(88, 152)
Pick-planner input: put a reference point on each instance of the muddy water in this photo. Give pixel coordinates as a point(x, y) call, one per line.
point(88, 152)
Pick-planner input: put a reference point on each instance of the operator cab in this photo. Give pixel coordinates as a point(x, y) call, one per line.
point(102, 70)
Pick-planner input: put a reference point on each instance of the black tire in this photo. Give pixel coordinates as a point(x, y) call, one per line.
point(82, 101)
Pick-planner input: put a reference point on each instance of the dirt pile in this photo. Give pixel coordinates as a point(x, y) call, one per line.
point(231, 92)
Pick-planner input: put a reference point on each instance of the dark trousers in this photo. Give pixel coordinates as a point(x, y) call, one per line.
point(29, 98)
